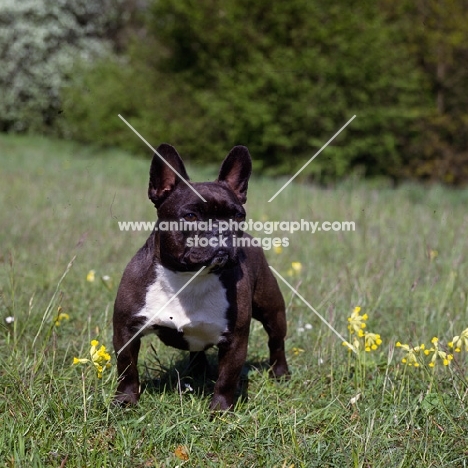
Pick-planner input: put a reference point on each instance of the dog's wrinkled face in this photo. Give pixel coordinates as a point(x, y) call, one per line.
point(195, 233)
point(199, 238)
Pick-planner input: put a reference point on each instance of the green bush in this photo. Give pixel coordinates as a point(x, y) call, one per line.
point(283, 77)
point(437, 37)
point(279, 77)
point(160, 109)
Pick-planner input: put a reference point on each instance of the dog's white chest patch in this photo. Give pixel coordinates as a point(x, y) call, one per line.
point(199, 311)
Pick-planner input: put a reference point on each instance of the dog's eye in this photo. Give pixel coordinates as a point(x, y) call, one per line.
point(239, 217)
point(190, 217)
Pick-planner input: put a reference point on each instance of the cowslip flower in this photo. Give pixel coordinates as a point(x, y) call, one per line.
point(356, 322)
point(371, 341)
point(295, 269)
point(60, 317)
point(296, 266)
point(411, 357)
point(459, 341)
point(354, 346)
point(437, 353)
point(277, 249)
point(99, 358)
point(297, 351)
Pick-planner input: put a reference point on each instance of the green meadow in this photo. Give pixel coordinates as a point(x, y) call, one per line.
point(404, 266)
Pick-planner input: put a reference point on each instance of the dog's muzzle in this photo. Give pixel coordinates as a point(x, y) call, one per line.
point(220, 259)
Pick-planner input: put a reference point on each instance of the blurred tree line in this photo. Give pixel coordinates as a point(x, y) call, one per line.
point(279, 77)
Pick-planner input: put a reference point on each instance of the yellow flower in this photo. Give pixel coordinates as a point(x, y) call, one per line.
point(372, 341)
point(277, 249)
point(99, 358)
point(348, 345)
point(411, 358)
point(295, 269)
point(356, 322)
point(91, 276)
point(296, 266)
point(437, 353)
point(60, 317)
point(355, 346)
point(297, 351)
point(460, 341)
point(79, 361)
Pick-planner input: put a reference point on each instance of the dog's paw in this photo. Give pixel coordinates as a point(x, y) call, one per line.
point(280, 372)
point(125, 399)
point(220, 404)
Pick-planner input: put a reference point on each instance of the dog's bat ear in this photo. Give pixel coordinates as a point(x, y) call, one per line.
point(166, 171)
point(235, 171)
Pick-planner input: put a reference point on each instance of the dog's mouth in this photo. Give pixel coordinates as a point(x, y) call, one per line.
point(214, 253)
point(220, 259)
point(214, 260)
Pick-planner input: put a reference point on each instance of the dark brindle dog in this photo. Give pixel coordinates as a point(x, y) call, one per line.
point(216, 308)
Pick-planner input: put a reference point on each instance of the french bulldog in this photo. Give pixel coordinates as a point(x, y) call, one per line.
point(195, 297)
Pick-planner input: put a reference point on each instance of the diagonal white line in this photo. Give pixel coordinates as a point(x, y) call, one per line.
point(162, 159)
point(349, 345)
point(160, 310)
point(312, 158)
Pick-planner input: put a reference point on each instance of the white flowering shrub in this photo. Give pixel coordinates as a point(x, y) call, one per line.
point(40, 42)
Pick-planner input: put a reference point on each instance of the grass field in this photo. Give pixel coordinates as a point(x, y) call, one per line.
point(405, 266)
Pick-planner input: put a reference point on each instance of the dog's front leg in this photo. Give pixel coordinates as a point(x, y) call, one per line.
point(128, 389)
point(231, 358)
